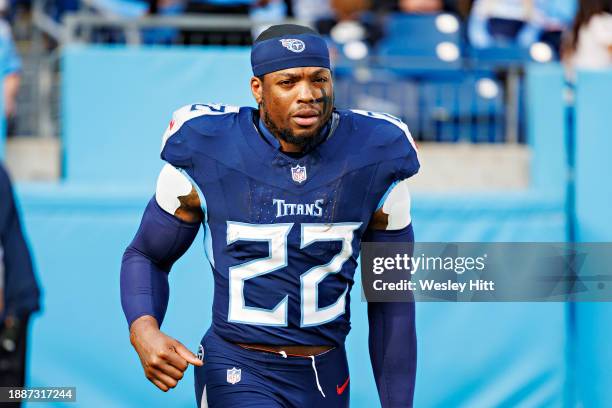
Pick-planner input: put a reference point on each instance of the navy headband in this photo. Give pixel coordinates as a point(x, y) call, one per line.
point(289, 51)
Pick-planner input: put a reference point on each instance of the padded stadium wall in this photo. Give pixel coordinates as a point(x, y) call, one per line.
point(592, 356)
point(116, 104)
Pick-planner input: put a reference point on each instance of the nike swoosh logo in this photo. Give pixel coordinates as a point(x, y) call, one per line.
point(341, 389)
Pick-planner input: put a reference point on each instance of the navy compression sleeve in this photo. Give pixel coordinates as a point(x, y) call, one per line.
point(160, 241)
point(392, 338)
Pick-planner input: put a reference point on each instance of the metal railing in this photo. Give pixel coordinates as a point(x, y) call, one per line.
point(88, 26)
point(81, 27)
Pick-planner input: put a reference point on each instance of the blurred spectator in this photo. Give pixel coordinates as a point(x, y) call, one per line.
point(554, 17)
point(498, 23)
point(19, 294)
point(345, 11)
point(459, 7)
point(349, 9)
point(591, 38)
point(420, 6)
point(350, 22)
point(11, 69)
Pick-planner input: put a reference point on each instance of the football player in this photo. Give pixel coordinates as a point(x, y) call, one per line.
point(19, 291)
point(286, 193)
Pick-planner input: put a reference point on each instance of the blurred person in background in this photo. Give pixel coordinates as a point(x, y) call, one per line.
point(11, 66)
point(498, 23)
point(554, 17)
point(459, 7)
point(590, 41)
point(351, 20)
point(420, 6)
point(345, 10)
point(19, 296)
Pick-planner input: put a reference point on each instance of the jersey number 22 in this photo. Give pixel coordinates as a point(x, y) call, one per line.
point(276, 237)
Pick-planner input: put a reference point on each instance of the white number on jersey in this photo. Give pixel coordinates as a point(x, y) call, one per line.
point(276, 236)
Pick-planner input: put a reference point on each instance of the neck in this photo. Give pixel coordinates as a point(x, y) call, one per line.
point(289, 147)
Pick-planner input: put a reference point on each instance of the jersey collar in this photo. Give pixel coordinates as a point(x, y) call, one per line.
point(327, 130)
point(267, 135)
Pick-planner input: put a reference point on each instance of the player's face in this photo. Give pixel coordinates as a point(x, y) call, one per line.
point(296, 102)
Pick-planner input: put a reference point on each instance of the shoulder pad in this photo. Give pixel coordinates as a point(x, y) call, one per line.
point(389, 141)
point(391, 121)
point(191, 111)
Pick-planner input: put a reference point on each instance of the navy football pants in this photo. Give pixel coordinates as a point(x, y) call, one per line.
point(236, 377)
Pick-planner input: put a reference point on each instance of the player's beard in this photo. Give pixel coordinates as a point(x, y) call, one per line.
point(305, 142)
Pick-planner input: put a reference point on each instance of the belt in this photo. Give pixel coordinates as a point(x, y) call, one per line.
point(294, 351)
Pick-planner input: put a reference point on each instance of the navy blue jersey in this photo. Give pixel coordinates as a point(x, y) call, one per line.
point(282, 234)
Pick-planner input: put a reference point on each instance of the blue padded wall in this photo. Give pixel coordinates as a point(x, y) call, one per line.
point(546, 128)
point(594, 224)
point(593, 149)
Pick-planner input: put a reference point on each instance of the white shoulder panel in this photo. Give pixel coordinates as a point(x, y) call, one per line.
point(171, 184)
point(397, 206)
point(188, 112)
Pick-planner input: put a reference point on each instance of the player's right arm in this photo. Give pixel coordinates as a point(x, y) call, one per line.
point(169, 225)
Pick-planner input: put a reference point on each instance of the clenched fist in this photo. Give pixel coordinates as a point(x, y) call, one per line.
point(163, 358)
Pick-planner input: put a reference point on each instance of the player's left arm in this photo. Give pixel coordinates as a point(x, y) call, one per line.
point(392, 338)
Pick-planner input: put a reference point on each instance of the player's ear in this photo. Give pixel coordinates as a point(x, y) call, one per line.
point(257, 89)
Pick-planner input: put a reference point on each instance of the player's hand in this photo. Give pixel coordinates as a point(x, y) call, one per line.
point(163, 358)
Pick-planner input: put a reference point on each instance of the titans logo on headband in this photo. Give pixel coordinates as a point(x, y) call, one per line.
point(293, 44)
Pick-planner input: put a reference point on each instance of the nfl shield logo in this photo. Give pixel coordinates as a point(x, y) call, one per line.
point(234, 375)
point(298, 173)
